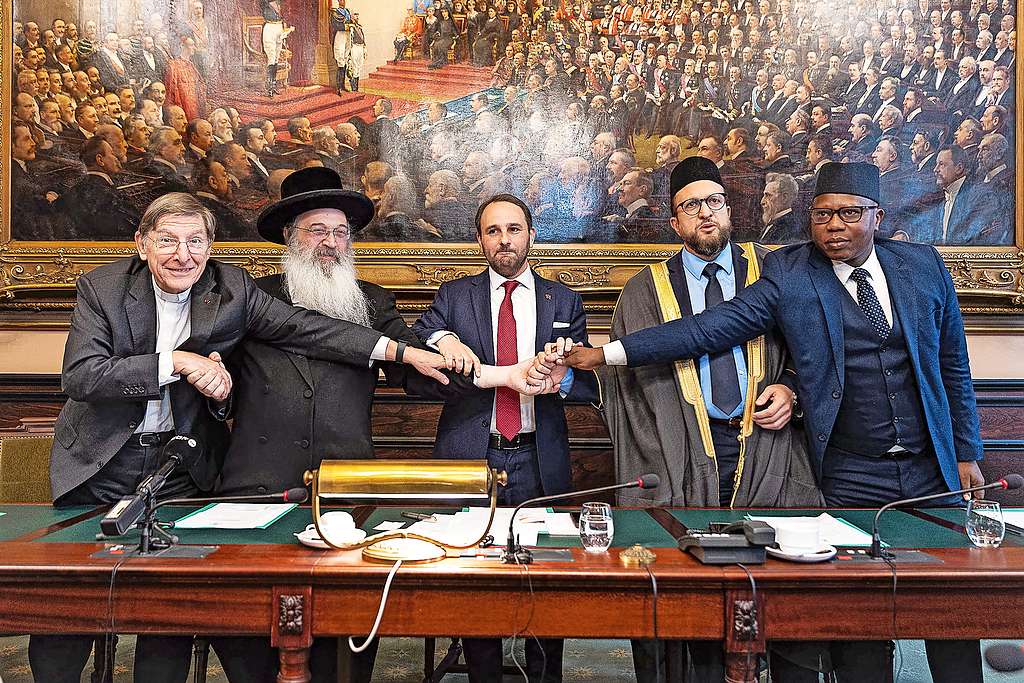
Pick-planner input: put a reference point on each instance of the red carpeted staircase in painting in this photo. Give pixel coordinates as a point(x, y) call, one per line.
point(408, 84)
point(320, 104)
point(411, 79)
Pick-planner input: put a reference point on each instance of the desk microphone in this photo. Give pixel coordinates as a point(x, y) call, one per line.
point(1010, 482)
point(295, 495)
point(1005, 657)
point(516, 554)
point(127, 511)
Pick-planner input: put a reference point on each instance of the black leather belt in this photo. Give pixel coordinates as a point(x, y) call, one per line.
point(148, 439)
point(735, 422)
point(522, 439)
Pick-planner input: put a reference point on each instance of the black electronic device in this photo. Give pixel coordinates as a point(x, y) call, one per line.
point(730, 543)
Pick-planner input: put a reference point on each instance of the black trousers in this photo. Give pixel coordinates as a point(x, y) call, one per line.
point(854, 480)
point(158, 659)
point(544, 655)
point(251, 659)
point(670, 661)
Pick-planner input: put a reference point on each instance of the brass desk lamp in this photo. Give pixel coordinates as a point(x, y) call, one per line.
point(406, 481)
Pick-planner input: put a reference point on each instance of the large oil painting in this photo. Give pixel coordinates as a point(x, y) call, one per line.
point(581, 108)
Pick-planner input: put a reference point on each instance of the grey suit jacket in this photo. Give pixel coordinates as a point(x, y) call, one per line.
point(111, 367)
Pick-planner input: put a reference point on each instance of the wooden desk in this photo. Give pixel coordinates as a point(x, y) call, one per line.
point(293, 594)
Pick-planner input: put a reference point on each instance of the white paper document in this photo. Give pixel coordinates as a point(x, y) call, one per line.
point(1014, 517)
point(834, 531)
point(467, 525)
point(389, 526)
point(235, 516)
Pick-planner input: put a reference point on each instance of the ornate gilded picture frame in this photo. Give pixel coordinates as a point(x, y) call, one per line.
point(580, 108)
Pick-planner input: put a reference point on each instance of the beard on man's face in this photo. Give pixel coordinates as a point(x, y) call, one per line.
point(324, 279)
point(710, 244)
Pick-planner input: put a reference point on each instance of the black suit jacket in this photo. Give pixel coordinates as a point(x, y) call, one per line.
point(291, 411)
point(786, 229)
point(97, 212)
point(111, 369)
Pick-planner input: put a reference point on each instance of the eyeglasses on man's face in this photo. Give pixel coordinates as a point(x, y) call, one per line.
point(847, 214)
point(321, 234)
point(165, 244)
point(691, 207)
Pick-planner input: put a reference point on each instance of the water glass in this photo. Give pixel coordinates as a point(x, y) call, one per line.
point(596, 527)
point(985, 525)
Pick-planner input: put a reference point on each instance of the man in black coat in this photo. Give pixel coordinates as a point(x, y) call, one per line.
point(143, 361)
point(291, 411)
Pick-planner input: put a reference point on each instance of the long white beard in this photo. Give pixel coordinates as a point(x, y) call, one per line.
point(330, 289)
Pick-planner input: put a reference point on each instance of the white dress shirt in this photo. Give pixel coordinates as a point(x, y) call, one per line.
point(173, 327)
point(524, 308)
point(875, 276)
point(947, 208)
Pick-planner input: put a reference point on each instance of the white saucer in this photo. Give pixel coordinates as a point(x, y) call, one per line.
point(312, 539)
point(823, 555)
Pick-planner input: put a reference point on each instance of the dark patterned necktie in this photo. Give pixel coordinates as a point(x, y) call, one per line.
point(507, 417)
point(725, 383)
point(868, 302)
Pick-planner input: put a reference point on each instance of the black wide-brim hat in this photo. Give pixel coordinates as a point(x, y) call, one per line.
point(308, 189)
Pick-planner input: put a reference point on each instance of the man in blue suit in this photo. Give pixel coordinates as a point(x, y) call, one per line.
point(877, 340)
point(505, 315)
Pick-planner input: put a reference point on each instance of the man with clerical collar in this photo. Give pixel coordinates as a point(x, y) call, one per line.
point(654, 429)
point(899, 425)
point(143, 362)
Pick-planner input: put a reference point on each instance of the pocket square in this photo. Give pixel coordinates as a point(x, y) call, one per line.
point(557, 324)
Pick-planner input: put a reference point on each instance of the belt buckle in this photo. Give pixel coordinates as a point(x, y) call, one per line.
point(148, 439)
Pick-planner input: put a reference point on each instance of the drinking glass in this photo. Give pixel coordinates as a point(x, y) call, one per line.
point(596, 527)
point(985, 525)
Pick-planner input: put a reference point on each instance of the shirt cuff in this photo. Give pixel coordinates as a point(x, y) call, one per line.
point(165, 368)
point(380, 350)
point(614, 353)
point(438, 336)
point(566, 386)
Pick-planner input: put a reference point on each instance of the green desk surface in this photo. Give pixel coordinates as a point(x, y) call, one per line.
point(19, 520)
point(631, 526)
point(899, 529)
point(958, 516)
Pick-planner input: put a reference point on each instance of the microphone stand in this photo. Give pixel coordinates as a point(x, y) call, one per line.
point(517, 554)
point(880, 553)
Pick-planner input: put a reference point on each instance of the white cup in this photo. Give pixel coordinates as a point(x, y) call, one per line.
point(799, 536)
point(337, 524)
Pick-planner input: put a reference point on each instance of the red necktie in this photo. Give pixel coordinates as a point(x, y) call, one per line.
point(506, 401)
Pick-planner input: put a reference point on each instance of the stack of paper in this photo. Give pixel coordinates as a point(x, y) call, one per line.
point(465, 526)
point(234, 516)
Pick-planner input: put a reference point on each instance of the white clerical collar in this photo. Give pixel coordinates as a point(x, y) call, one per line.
point(179, 298)
point(525, 279)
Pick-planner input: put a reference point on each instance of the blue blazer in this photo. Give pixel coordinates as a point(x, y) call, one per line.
point(463, 306)
point(799, 292)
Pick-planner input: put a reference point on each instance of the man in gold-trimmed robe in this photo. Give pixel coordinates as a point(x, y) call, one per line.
point(716, 429)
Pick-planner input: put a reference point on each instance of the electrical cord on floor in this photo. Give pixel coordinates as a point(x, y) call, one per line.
point(380, 612)
point(654, 610)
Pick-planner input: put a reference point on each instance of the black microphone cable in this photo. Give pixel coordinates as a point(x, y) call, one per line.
point(525, 632)
point(654, 614)
point(108, 644)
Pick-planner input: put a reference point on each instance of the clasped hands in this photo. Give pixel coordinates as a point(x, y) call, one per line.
point(206, 373)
